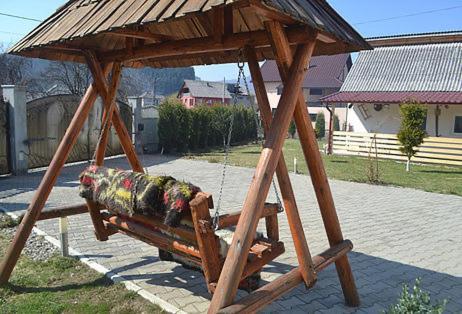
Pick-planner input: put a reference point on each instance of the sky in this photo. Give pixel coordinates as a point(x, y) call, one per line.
point(369, 17)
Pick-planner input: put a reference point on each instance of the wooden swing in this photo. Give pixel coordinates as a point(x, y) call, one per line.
point(107, 35)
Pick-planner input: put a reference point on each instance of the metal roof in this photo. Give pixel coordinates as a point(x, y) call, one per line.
point(97, 25)
point(324, 71)
point(395, 97)
point(418, 68)
point(204, 89)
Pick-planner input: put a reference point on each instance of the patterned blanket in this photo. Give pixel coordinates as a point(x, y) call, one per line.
point(127, 193)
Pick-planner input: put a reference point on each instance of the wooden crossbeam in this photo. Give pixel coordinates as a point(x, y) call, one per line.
point(290, 204)
point(140, 35)
point(205, 45)
point(258, 191)
point(313, 159)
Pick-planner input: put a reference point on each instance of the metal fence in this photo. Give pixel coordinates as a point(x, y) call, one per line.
point(48, 119)
point(4, 138)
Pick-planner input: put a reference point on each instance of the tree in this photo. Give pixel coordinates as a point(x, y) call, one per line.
point(174, 125)
point(320, 126)
point(292, 129)
point(411, 133)
point(336, 123)
point(13, 69)
point(72, 78)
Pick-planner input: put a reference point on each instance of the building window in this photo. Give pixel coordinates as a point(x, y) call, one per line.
point(316, 91)
point(279, 89)
point(458, 124)
point(313, 117)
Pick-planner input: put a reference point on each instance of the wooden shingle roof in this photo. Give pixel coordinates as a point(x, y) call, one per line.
point(117, 28)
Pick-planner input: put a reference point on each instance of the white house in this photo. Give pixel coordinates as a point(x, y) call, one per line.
point(383, 78)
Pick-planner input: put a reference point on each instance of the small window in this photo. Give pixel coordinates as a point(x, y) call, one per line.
point(313, 117)
point(458, 124)
point(316, 91)
point(279, 89)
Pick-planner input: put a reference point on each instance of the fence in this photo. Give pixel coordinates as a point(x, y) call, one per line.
point(435, 150)
point(48, 119)
point(4, 165)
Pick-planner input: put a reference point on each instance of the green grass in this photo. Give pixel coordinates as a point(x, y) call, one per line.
point(439, 179)
point(64, 285)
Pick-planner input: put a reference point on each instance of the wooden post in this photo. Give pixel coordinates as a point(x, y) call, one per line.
point(64, 235)
point(103, 87)
point(290, 205)
point(315, 165)
point(108, 113)
point(46, 185)
point(258, 191)
point(206, 239)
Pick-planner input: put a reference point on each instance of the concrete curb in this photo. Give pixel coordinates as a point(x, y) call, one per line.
point(130, 285)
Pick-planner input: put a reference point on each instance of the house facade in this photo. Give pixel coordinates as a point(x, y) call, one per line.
point(325, 76)
point(381, 79)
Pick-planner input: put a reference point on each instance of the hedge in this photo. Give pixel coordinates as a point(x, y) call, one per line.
point(182, 129)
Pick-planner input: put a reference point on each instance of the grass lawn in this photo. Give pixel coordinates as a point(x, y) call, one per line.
point(64, 285)
point(439, 179)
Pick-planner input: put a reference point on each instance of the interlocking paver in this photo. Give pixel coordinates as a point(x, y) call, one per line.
point(399, 234)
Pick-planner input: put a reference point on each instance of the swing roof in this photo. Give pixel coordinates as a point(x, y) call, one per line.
point(175, 33)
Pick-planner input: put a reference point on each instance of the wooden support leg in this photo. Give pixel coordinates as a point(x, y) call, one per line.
point(315, 165)
point(206, 239)
point(108, 113)
point(104, 89)
point(293, 216)
point(258, 191)
point(41, 195)
point(97, 219)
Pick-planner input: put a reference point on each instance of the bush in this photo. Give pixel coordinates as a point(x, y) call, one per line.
point(174, 125)
point(292, 129)
point(411, 133)
point(336, 123)
point(416, 301)
point(204, 126)
point(320, 126)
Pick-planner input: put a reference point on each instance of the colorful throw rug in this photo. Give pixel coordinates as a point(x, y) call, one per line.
point(128, 193)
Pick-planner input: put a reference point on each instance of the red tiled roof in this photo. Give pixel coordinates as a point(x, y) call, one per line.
point(324, 71)
point(394, 97)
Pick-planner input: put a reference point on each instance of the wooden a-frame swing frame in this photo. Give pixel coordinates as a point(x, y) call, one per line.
point(292, 68)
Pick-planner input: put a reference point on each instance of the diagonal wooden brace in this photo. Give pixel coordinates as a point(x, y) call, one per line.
point(49, 179)
point(293, 216)
point(104, 90)
point(258, 191)
point(313, 159)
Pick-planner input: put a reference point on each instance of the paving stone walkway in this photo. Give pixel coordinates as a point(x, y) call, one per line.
point(399, 234)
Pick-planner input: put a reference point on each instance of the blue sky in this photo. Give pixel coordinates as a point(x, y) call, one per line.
point(369, 17)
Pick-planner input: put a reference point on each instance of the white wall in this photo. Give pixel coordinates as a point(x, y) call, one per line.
point(388, 119)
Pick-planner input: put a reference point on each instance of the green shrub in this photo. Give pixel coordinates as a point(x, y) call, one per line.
point(174, 125)
point(320, 126)
point(292, 129)
point(203, 126)
point(336, 123)
point(416, 301)
point(6, 221)
point(411, 133)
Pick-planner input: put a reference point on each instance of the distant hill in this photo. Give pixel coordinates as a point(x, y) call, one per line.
point(42, 76)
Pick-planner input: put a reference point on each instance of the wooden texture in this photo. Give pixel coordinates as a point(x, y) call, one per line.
point(258, 191)
point(313, 159)
point(157, 239)
point(434, 150)
point(231, 219)
point(64, 211)
point(206, 239)
point(104, 25)
point(106, 121)
point(290, 205)
point(46, 185)
point(97, 220)
point(283, 284)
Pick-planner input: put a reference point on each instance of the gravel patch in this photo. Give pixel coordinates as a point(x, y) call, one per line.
point(37, 248)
